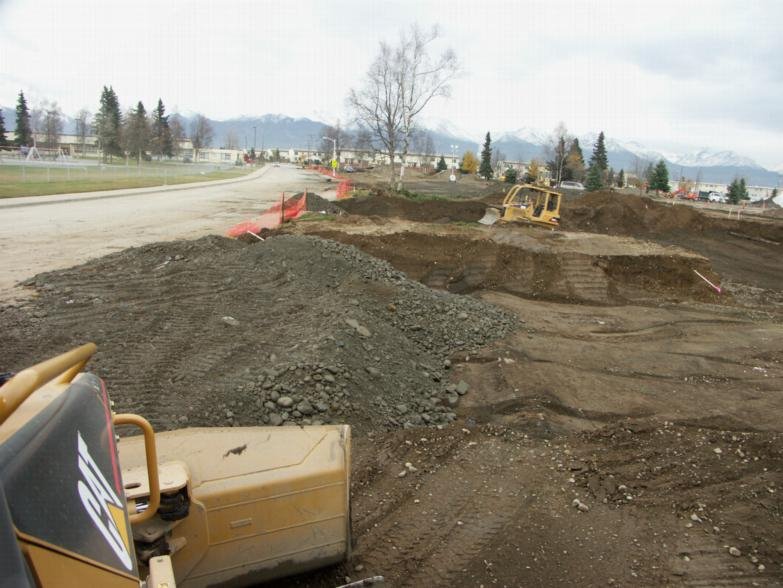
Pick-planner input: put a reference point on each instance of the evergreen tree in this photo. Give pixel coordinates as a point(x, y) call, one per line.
point(733, 194)
point(3, 140)
point(108, 122)
point(23, 134)
point(743, 190)
point(649, 175)
point(511, 176)
point(599, 157)
point(660, 177)
point(442, 166)
point(137, 132)
point(610, 178)
point(595, 179)
point(531, 176)
point(621, 179)
point(485, 169)
point(161, 143)
point(774, 194)
point(575, 163)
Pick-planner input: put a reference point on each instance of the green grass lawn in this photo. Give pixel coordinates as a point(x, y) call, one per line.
point(17, 180)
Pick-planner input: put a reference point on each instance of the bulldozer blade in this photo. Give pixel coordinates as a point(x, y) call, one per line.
point(491, 216)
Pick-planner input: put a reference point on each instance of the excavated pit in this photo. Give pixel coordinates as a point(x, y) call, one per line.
point(540, 265)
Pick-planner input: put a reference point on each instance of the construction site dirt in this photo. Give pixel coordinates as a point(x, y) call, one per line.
point(530, 407)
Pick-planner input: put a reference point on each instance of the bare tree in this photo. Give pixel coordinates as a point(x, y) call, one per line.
point(343, 140)
point(232, 140)
point(51, 125)
point(200, 134)
point(400, 83)
point(177, 130)
point(83, 127)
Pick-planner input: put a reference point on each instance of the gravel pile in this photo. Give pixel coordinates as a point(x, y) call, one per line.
point(292, 330)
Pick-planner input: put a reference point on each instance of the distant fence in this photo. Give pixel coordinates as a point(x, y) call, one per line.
point(344, 188)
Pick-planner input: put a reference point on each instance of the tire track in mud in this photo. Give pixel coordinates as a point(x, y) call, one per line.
point(443, 517)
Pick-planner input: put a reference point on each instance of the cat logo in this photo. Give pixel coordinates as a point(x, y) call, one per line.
point(102, 504)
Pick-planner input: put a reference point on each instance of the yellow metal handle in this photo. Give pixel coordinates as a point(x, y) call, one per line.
point(66, 366)
point(152, 463)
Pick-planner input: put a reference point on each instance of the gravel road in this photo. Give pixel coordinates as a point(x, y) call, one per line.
point(37, 237)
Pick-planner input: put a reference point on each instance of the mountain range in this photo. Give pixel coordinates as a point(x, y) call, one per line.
point(524, 144)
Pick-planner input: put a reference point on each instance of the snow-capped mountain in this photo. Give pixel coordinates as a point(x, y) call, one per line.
point(528, 135)
point(711, 158)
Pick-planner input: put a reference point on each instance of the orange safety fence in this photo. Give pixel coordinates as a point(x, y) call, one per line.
point(272, 217)
point(345, 186)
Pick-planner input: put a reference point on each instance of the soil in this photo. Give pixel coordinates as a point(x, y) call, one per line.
point(596, 414)
point(430, 211)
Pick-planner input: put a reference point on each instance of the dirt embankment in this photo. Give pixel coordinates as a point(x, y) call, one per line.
point(427, 211)
point(745, 251)
point(465, 264)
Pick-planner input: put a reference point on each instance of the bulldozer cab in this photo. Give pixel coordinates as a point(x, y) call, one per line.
point(527, 202)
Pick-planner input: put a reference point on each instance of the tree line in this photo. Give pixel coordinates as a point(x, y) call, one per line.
point(135, 133)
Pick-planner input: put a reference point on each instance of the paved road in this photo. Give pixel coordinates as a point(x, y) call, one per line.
point(37, 237)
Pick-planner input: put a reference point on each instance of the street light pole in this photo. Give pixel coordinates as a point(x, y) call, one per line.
point(254, 139)
point(334, 155)
point(454, 161)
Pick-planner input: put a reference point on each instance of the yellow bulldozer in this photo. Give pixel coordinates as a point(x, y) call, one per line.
point(527, 203)
point(80, 506)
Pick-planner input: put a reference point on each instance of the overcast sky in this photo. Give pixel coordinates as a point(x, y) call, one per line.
point(673, 75)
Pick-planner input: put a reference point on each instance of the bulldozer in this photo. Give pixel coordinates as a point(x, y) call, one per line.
point(82, 506)
point(527, 203)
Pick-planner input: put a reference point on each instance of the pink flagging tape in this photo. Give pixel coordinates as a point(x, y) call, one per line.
point(716, 288)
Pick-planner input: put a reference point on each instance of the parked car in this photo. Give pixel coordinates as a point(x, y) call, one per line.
point(349, 169)
point(568, 185)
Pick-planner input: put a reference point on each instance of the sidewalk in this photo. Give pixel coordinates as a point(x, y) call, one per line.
point(57, 198)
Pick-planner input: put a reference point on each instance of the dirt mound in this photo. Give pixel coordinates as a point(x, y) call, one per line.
point(623, 214)
point(429, 211)
point(295, 329)
point(316, 203)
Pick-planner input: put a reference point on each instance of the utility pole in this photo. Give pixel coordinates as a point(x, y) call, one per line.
point(254, 138)
point(453, 177)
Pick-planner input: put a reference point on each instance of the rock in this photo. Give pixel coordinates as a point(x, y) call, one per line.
point(695, 518)
point(374, 372)
point(735, 552)
point(305, 408)
point(230, 321)
point(462, 388)
point(285, 401)
point(363, 331)
point(452, 401)
point(717, 451)
point(353, 323)
point(329, 378)
point(401, 408)
point(462, 316)
point(275, 419)
point(183, 419)
point(321, 406)
point(579, 505)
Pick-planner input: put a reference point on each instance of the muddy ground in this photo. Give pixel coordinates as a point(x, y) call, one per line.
point(595, 413)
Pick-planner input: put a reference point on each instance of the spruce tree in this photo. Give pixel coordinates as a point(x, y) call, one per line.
point(3, 140)
point(610, 178)
point(774, 194)
point(107, 124)
point(485, 169)
point(595, 179)
point(442, 166)
point(161, 133)
point(649, 175)
point(599, 157)
point(733, 194)
point(511, 176)
point(575, 163)
point(23, 134)
point(660, 179)
point(621, 179)
point(743, 190)
point(137, 132)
